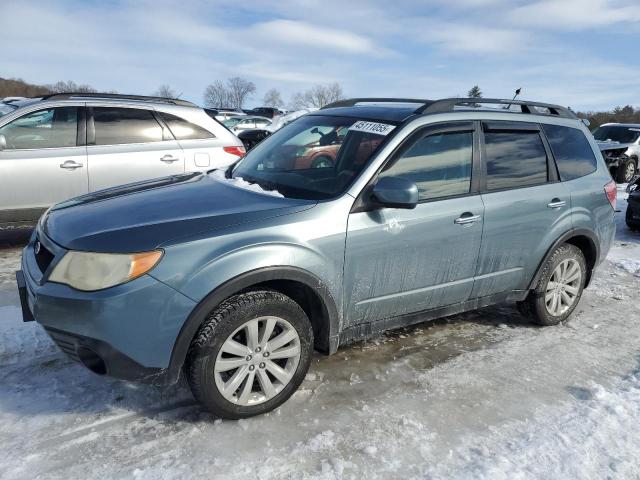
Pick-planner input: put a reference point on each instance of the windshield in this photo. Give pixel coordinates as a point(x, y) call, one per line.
point(314, 158)
point(616, 134)
point(6, 108)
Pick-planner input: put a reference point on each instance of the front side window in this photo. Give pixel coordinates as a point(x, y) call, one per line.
point(572, 151)
point(439, 164)
point(50, 128)
point(514, 159)
point(184, 130)
point(117, 126)
point(316, 157)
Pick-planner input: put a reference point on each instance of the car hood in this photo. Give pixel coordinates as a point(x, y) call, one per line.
point(612, 145)
point(142, 216)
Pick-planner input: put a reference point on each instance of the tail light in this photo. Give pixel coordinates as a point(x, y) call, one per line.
point(235, 150)
point(612, 192)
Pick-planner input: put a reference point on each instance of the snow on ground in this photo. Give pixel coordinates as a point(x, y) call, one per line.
point(480, 395)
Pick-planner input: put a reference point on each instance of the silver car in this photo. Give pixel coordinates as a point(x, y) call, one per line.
point(620, 147)
point(65, 145)
point(247, 122)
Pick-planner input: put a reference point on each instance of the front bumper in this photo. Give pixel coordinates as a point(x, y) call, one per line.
point(127, 331)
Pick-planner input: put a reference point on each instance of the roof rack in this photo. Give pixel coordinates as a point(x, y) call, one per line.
point(117, 96)
point(449, 105)
point(351, 102)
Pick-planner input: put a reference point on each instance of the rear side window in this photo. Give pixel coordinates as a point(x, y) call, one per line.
point(183, 129)
point(439, 164)
point(514, 159)
point(572, 151)
point(117, 126)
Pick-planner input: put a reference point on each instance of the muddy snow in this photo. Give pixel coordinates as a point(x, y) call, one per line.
point(479, 395)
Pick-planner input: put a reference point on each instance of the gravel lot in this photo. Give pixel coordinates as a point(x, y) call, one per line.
point(479, 395)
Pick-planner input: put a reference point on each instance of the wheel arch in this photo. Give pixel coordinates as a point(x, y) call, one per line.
point(303, 287)
point(585, 240)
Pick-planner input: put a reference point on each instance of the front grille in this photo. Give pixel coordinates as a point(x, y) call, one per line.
point(66, 343)
point(43, 256)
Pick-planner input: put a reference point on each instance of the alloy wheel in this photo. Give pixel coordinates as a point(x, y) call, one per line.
point(563, 287)
point(257, 361)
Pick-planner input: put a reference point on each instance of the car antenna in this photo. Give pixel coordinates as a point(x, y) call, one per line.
point(518, 90)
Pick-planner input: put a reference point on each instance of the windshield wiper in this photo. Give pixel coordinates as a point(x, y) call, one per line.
point(265, 185)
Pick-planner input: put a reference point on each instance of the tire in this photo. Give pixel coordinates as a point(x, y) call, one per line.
point(625, 171)
point(539, 306)
point(229, 322)
point(322, 162)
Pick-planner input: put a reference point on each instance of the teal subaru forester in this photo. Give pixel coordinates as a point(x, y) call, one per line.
point(419, 209)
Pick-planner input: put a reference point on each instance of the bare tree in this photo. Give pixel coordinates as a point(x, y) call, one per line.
point(70, 87)
point(273, 99)
point(165, 91)
point(240, 90)
point(318, 96)
point(216, 95)
point(232, 95)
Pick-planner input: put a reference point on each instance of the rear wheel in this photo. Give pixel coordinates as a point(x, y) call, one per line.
point(250, 355)
point(626, 170)
point(559, 288)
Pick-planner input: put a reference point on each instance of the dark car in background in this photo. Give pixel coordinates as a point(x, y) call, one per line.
point(632, 216)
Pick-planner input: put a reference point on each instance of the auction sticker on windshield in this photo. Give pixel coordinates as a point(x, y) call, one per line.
point(372, 127)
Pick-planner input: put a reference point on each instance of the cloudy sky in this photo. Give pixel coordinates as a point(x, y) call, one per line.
point(580, 53)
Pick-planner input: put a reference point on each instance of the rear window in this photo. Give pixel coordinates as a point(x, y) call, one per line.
point(572, 151)
point(184, 130)
point(514, 159)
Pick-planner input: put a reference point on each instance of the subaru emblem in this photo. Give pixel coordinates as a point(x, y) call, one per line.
point(37, 247)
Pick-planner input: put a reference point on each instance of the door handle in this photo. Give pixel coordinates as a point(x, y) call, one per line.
point(466, 219)
point(556, 203)
point(71, 165)
point(169, 159)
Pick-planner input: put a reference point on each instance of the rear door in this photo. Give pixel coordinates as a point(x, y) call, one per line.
point(129, 144)
point(202, 149)
point(526, 206)
point(43, 163)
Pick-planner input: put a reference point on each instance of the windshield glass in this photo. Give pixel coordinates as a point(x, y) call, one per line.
point(616, 134)
point(6, 108)
point(316, 157)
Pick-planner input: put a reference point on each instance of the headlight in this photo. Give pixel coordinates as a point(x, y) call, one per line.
point(95, 271)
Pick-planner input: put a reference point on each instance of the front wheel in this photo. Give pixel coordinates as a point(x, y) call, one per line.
point(559, 288)
point(250, 355)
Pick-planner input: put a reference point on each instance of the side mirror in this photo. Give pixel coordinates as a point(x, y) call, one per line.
point(395, 192)
point(3, 143)
point(315, 130)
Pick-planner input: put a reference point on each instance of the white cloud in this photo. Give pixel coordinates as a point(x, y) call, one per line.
point(475, 39)
point(575, 14)
point(296, 33)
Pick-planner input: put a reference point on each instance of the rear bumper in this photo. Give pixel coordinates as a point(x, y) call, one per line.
point(127, 331)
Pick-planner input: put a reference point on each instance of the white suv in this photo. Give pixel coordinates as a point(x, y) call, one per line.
point(64, 145)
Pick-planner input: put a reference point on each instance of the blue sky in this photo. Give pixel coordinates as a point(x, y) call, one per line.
point(580, 53)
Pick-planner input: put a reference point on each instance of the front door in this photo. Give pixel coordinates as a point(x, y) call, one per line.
point(127, 145)
point(42, 163)
point(404, 261)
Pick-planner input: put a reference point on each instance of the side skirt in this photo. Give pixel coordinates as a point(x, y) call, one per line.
point(364, 330)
